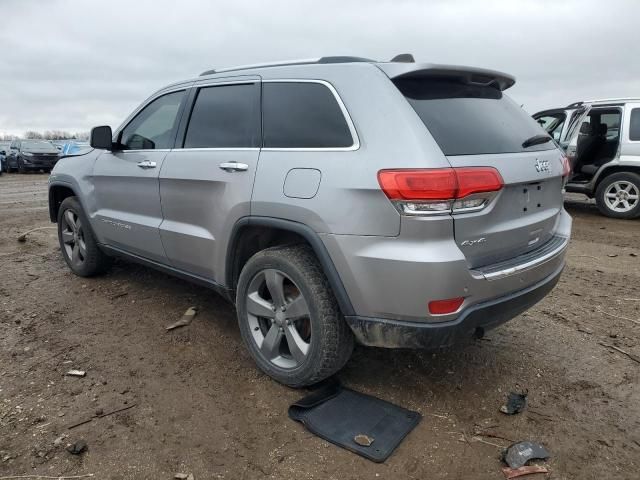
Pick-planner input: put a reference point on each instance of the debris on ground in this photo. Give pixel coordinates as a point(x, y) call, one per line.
point(633, 357)
point(341, 415)
point(181, 476)
point(363, 440)
point(76, 373)
point(78, 448)
point(518, 454)
point(516, 402)
point(70, 427)
point(185, 320)
point(58, 441)
point(519, 472)
point(23, 237)
point(586, 330)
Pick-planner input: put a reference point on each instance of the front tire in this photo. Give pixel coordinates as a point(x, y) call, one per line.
point(289, 318)
point(618, 195)
point(77, 241)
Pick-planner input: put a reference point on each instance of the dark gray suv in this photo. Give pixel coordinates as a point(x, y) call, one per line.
point(332, 200)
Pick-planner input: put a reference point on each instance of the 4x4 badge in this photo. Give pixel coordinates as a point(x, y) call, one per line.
point(542, 166)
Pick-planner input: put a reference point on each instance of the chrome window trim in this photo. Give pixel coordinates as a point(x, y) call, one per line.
point(113, 152)
point(218, 149)
point(343, 109)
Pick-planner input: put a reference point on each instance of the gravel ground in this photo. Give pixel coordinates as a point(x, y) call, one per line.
point(198, 404)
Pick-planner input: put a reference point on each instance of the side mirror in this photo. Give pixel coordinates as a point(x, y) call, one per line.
point(101, 137)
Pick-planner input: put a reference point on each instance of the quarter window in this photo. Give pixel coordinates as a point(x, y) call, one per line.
point(154, 127)
point(302, 115)
point(634, 126)
point(226, 116)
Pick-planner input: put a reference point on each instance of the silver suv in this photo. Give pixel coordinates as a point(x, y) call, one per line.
point(331, 200)
point(602, 140)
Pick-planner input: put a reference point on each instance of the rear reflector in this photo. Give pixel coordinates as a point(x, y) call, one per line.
point(440, 307)
point(440, 190)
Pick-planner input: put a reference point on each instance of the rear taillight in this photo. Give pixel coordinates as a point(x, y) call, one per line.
point(440, 190)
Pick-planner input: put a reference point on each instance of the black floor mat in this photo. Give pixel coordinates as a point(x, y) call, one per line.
point(339, 415)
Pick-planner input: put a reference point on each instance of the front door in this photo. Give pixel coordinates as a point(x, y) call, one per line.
point(207, 180)
point(127, 209)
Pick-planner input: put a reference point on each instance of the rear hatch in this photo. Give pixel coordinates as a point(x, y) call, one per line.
point(476, 125)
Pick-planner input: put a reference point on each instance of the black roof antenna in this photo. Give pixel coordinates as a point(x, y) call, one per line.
point(404, 58)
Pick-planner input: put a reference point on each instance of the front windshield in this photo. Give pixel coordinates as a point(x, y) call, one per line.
point(40, 145)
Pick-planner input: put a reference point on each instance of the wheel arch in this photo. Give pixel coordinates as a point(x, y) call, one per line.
point(608, 171)
point(268, 232)
point(57, 193)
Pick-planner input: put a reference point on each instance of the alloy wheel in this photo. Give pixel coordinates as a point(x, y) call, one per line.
point(73, 237)
point(622, 196)
point(279, 320)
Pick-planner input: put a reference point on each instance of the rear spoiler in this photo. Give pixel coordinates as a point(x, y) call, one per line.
point(471, 75)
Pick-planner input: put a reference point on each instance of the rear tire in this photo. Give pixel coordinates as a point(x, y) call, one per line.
point(297, 335)
point(77, 242)
point(618, 195)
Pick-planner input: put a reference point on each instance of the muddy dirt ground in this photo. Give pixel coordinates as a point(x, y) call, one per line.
point(200, 406)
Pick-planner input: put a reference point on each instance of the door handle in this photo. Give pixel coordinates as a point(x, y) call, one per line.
point(234, 167)
point(147, 164)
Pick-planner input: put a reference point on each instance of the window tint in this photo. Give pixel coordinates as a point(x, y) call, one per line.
point(470, 119)
point(634, 126)
point(154, 126)
point(302, 115)
point(225, 117)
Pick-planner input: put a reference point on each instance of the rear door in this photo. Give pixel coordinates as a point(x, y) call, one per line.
point(477, 125)
point(127, 198)
point(206, 181)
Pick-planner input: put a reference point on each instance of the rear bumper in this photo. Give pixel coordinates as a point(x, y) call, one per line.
point(385, 333)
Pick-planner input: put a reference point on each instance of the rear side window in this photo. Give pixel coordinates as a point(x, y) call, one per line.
point(470, 119)
point(302, 115)
point(227, 116)
point(634, 126)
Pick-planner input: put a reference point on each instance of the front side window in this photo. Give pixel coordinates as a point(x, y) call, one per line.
point(302, 115)
point(634, 125)
point(154, 127)
point(226, 116)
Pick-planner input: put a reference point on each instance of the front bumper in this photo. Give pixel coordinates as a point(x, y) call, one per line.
point(377, 332)
point(35, 163)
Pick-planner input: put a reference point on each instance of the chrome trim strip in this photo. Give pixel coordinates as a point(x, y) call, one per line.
point(343, 109)
point(217, 149)
point(491, 276)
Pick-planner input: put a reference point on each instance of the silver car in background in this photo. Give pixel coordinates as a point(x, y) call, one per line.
point(602, 141)
point(330, 200)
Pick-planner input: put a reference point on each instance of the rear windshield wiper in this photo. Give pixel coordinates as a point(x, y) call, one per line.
point(536, 140)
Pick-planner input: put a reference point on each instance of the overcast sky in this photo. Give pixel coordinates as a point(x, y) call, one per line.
point(73, 64)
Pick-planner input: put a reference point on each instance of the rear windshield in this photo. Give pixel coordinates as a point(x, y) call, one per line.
point(470, 119)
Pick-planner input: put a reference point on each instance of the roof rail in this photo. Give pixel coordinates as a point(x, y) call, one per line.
point(621, 99)
point(307, 61)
